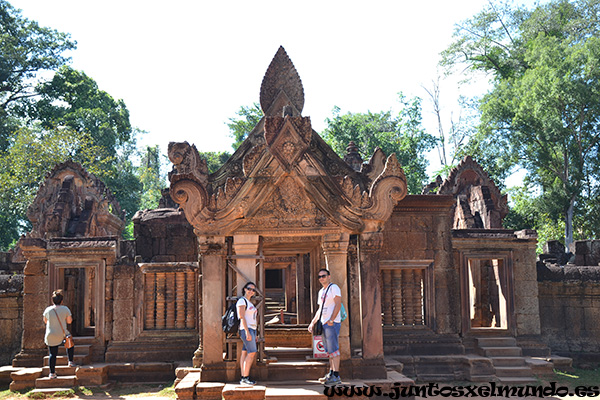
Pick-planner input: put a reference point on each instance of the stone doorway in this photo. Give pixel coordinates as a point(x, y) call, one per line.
point(79, 295)
point(488, 298)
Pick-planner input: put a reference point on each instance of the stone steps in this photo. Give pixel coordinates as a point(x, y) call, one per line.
point(508, 361)
point(509, 364)
point(501, 351)
point(66, 381)
point(78, 359)
point(296, 370)
point(289, 353)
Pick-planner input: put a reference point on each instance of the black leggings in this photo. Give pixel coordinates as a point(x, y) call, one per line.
point(54, 354)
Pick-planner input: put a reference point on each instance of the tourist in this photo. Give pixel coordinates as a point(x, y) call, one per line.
point(56, 318)
point(330, 304)
point(247, 316)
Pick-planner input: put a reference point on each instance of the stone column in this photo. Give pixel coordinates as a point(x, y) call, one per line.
point(335, 248)
point(212, 251)
point(245, 246)
point(372, 332)
point(35, 300)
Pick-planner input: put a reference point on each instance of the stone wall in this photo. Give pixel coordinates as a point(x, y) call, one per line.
point(164, 235)
point(11, 316)
point(569, 299)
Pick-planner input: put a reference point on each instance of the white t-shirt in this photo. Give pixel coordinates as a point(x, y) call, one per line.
point(334, 290)
point(54, 334)
point(250, 314)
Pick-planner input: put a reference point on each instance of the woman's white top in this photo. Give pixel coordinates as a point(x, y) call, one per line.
point(329, 304)
point(54, 334)
point(249, 315)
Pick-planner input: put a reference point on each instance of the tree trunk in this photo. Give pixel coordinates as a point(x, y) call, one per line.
point(569, 224)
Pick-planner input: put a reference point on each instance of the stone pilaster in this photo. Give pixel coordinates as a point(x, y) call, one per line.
point(212, 251)
point(369, 248)
point(35, 300)
point(335, 248)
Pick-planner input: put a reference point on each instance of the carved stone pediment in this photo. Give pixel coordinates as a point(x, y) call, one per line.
point(284, 177)
point(479, 203)
point(288, 138)
point(74, 203)
point(288, 208)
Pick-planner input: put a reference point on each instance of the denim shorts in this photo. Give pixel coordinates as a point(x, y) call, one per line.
point(331, 335)
point(249, 346)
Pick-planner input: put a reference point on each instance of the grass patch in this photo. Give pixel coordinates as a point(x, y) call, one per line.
point(578, 377)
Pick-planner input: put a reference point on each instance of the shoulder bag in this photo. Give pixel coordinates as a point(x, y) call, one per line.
point(68, 338)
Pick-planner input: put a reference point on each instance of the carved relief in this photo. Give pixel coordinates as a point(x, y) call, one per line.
point(73, 203)
point(288, 138)
point(281, 76)
point(289, 207)
point(479, 201)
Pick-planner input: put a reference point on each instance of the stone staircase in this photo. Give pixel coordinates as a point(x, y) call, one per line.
point(507, 359)
point(294, 363)
point(66, 376)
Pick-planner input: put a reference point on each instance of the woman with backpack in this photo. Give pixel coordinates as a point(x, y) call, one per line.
point(247, 315)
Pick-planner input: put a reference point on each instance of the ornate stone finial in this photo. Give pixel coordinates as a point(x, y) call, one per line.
point(352, 158)
point(281, 86)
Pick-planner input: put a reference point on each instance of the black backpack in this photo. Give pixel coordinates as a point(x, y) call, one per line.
point(230, 321)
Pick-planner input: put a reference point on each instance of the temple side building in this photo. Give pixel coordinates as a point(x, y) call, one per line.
point(432, 283)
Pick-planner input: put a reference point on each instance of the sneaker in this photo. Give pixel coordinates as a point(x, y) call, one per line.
point(333, 380)
point(327, 375)
point(71, 364)
point(247, 381)
point(52, 376)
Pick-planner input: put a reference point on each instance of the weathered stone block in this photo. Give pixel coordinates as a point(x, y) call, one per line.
point(90, 375)
point(209, 390)
point(122, 309)
point(123, 288)
point(186, 389)
point(35, 284)
point(236, 392)
point(122, 329)
point(180, 245)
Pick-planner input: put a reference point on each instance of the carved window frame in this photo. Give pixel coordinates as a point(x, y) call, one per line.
point(173, 267)
point(427, 267)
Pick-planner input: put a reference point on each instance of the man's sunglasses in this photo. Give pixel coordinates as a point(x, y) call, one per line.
point(322, 276)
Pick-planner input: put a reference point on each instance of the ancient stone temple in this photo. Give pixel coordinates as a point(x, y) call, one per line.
point(435, 288)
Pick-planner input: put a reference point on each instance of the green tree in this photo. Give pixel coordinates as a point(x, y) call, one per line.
point(401, 134)
point(241, 125)
point(215, 159)
point(31, 154)
point(151, 178)
point(543, 111)
point(27, 50)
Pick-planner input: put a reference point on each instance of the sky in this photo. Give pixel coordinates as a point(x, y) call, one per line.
point(183, 68)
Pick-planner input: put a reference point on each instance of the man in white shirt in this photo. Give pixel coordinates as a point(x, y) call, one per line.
point(330, 304)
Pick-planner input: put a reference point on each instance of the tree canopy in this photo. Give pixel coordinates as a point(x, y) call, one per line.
point(27, 51)
point(50, 113)
point(543, 111)
point(401, 134)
